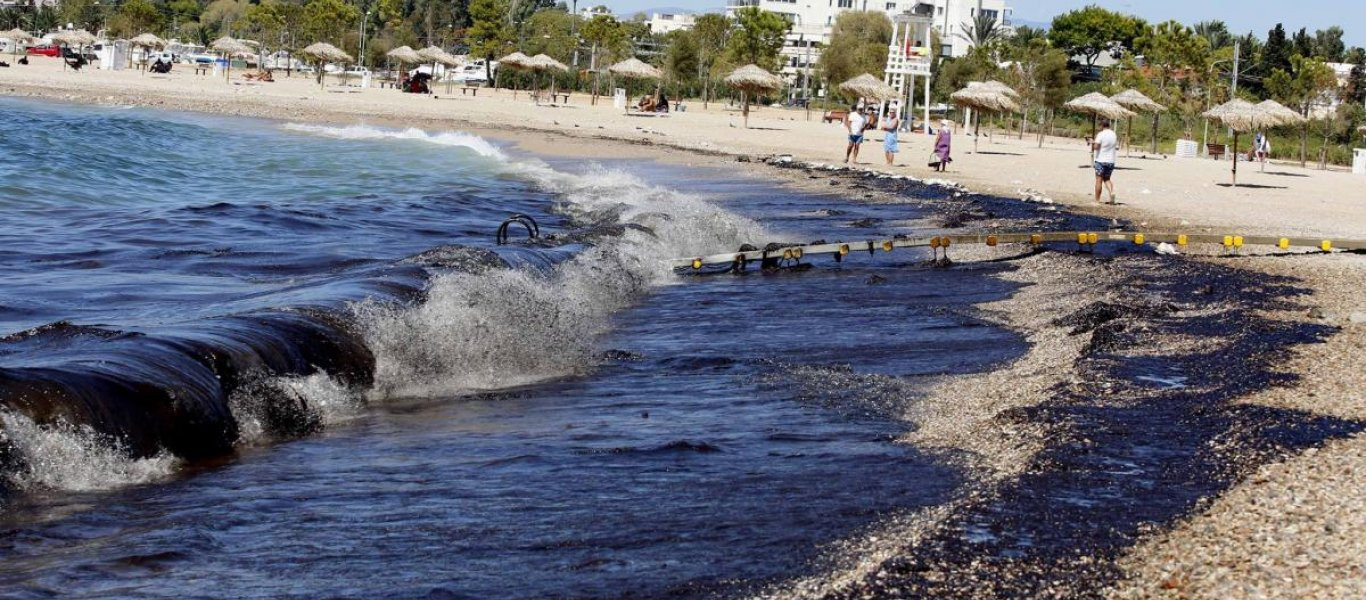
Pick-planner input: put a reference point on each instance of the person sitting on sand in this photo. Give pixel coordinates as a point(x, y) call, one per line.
point(854, 122)
point(23, 60)
point(662, 105)
point(646, 104)
point(943, 145)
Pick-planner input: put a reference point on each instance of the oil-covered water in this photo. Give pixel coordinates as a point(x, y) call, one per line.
point(249, 359)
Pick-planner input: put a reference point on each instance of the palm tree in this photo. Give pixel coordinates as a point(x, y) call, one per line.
point(1214, 32)
point(982, 30)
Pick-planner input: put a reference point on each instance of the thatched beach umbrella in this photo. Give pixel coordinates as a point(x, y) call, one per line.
point(17, 36)
point(1097, 104)
point(751, 79)
point(1283, 115)
point(229, 47)
point(146, 41)
point(323, 52)
point(634, 68)
point(983, 97)
point(78, 38)
point(1135, 100)
point(869, 87)
point(995, 86)
point(1241, 115)
point(405, 55)
point(544, 63)
point(438, 56)
point(513, 62)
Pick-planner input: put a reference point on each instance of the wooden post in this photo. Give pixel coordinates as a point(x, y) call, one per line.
point(1235, 158)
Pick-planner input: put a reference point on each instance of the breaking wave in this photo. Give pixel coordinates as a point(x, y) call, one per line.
point(469, 323)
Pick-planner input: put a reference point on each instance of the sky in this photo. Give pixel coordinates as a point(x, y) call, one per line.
point(1242, 16)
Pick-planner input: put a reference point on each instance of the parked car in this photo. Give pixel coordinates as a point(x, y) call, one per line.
point(45, 50)
point(470, 75)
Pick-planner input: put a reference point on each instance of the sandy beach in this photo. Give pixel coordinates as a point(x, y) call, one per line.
point(1291, 527)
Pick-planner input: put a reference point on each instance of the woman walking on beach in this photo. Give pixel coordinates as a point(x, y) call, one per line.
point(943, 143)
point(889, 127)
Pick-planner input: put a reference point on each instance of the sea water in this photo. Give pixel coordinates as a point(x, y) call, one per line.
point(246, 358)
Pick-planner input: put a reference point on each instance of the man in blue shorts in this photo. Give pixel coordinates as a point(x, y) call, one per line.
point(854, 122)
point(1106, 146)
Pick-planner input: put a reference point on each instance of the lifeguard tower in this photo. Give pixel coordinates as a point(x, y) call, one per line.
point(909, 55)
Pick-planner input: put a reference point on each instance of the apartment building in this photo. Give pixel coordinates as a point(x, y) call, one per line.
point(663, 23)
point(812, 21)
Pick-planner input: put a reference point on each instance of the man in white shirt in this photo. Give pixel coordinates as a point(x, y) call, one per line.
point(1106, 146)
point(854, 123)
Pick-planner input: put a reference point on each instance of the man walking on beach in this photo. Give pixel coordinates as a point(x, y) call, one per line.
point(1106, 146)
point(854, 123)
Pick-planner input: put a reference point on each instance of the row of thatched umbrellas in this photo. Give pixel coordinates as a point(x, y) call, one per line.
point(1238, 115)
point(749, 79)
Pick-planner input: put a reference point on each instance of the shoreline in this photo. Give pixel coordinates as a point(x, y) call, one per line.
point(1049, 362)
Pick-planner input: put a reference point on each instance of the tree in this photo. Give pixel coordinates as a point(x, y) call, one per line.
point(183, 11)
point(1307, 82)
point(219, 16)
point(327, 20)
point(1025, 36)
point(606, 39)
point(1328, 44)
point(1087, 32)
point(1174, 50)
point(1277, 51)
point(1216, 34)
point(550, 32)
point(489, 31)
point(135, 17)
point(1355, 92)
point(84, 14)
point(712, 32)
point(1302, 44)
point(681, 60)
point(758, 37)
point(955, 73)
point(858, 44)
point(983, 30)
point(1041, 75)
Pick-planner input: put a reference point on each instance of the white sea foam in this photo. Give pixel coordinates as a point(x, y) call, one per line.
point(319, 394)
point(66, 457)
point(454, 139)
point(508, 328)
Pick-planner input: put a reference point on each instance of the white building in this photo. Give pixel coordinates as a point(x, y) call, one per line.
point(662, 23)
point(813, 20)
point(587, 13)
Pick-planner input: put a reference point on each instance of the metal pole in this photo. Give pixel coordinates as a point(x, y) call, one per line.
point(363, 19)
point(927, 92)
point(1237, 48)
point(574, 32)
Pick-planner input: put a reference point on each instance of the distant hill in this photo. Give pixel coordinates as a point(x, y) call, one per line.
point(1017, 21)
point(675, 10)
